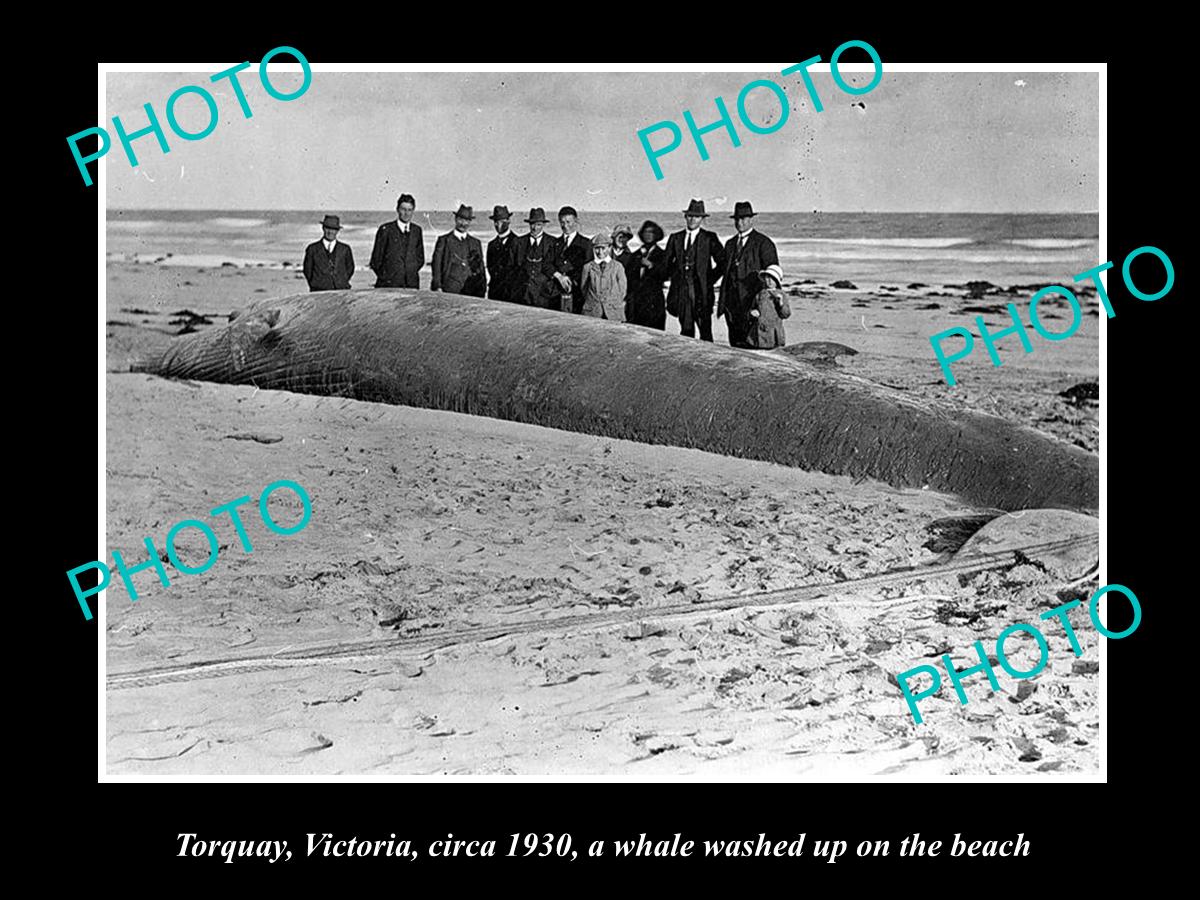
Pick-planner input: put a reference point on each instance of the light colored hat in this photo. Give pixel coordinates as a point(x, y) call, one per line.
point(623, 228)
point(775, 272)
point(601, 237)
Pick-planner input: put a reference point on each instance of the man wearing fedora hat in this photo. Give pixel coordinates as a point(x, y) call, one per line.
point(458, 259)
point(747, 254)
point(499, 255)
point(399, 251)
point(533, 261)
point(328, 263)
point(694, 263)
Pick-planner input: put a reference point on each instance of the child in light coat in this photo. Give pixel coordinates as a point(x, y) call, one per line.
point(768, 312)
point(603, 283)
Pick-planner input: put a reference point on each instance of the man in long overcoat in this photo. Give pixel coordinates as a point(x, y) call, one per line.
point(746, 254)
point(399, 251)
point(533, 265)
point(458, 259)
point(499, 255)
point(694, 263)
point(328, 263)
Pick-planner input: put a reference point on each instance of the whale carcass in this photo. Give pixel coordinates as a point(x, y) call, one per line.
point(488, 358)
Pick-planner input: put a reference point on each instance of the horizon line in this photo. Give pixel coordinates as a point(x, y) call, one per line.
point(903, 212)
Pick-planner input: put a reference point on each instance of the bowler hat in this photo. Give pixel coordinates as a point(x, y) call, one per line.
point(464, 212)
point(537, 214)
point(500, 212)
point(696, 208)
point(742, 209)
point(331, 222)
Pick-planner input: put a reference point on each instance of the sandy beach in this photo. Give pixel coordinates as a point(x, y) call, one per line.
point(427, 521)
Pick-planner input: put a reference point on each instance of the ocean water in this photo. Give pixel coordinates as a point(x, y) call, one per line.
point(868, 249)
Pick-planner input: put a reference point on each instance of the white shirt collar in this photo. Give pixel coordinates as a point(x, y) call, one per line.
point(328, 244)
point(567, 238)
point(691, 231)
point(749, 231)
point(403, 225)
point(461, 235)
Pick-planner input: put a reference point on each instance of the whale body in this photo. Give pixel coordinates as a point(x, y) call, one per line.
point(489, 358)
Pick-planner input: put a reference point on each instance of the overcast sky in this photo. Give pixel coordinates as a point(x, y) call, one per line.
point(945, 142)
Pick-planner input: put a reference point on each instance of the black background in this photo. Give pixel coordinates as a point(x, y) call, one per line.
point(1077, 831)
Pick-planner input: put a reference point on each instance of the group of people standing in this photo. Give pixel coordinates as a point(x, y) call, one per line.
point(597, 276)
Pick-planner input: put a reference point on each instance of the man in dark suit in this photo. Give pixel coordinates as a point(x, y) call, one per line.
point(747, 253)
point(399, 251)
point(694, 263)
point(574, 251)
point(328, 263)
point(499, 255)
point(533, 262)
point(458, 259)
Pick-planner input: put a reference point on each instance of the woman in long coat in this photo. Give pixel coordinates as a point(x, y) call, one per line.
point(647, 271)
point(620, 245)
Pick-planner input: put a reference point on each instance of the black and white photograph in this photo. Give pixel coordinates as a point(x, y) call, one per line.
point(442, 438)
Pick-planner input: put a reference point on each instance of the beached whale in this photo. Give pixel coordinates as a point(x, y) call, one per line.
point(488, 358)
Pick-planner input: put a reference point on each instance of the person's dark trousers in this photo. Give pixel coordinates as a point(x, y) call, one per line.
point(737, 323)
point(688, 323)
